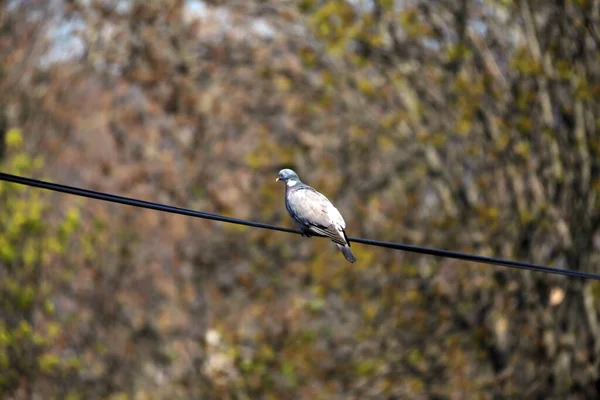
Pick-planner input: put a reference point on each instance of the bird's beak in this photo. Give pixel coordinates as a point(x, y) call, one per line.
point(277, 180)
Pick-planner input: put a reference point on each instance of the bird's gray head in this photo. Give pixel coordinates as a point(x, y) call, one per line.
point(288, 176)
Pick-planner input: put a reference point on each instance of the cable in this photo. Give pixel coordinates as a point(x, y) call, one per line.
point(134, 202)
point(198, 214)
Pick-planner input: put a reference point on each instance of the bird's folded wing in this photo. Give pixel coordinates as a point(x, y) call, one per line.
point(314, 211)
point(329, 232)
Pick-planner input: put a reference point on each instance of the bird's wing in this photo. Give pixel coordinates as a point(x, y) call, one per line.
point(316, 212)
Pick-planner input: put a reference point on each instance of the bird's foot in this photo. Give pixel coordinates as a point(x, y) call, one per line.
point(306, 234)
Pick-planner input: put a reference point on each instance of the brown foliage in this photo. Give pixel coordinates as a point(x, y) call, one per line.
point(463, 125)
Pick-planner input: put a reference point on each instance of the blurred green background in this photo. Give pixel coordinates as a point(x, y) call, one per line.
point(467, 125)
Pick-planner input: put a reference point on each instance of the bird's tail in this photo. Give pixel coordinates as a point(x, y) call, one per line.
point(345, 249)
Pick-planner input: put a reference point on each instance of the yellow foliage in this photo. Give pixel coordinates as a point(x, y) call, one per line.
point(524, 62)
point(14, 138)
point(387, 5)
point(72, 217)
point(489, 213)
point(522, 149)
point(415, 356)
point(7, 251)
point(464, 126)
point(438, 140)
point(370, 310)
point(48, 362)
point(24, 330)
point(457, 51)
point(267, 152)
point(5, 336)
point(30, 253)
point(365, 86)
point(28, 244)
point(413, 296)
point(4, 361)
point(53, 329)
point(21, 163)
point(283, 83)
point(366, 367)
point(73, 396)
point(596, 185)
point(385, 143)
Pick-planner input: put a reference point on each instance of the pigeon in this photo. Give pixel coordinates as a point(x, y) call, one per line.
point(314, 213)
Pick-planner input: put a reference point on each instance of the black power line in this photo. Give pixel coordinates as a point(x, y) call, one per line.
point(198, 214)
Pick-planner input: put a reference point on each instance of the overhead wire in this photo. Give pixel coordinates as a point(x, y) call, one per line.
point(215, 217)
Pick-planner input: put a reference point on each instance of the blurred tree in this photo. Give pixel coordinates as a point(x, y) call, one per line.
point(487, 112)
point(466, 125)
point(31, 251)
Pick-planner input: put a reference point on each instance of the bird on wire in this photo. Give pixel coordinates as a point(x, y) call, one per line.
point(314, 213)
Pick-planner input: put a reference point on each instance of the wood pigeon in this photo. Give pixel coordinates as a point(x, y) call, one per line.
point(314, 213)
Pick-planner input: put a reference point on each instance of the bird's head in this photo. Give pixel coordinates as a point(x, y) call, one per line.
point(288, 176)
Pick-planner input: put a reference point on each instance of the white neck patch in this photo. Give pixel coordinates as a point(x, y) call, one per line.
point(291, 183)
